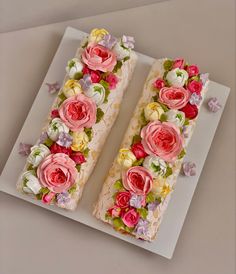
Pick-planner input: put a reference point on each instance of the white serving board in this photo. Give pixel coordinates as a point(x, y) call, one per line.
point(182, 196)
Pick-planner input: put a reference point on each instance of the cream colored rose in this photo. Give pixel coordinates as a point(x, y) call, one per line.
point(155, 165)
point(120, 51)
point(161, 188)
point(153, 111)
point(177, 77)
point(74, 67)
point(71, 88)
point(126, 158)
point(30, 183)
point(55, 128)
point(97, 35)
point(96, 92)
point(176, 117)
point(37, 154)
point(80, 141)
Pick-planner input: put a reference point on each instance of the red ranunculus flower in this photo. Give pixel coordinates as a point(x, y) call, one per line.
point(55, 148)
point(78, 157)
point(191, 111)
point(122, 199)
point(138, 150)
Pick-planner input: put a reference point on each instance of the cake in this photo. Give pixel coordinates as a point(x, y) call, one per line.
point(138, 187)
point(80, 120)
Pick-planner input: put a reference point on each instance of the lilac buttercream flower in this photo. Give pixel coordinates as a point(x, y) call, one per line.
point(108, 41)
point(189, 169)
point(43, 137)
point(64, 139)
point(54, 87)
point(195, 99)
point(136, 200)
point(204, 77)
point(142, 227)
point(24, 149)
point(85, 82)
point(213, 104)
point(153, 206)
point(128, 41)
point(63, 198)
point(185, 131)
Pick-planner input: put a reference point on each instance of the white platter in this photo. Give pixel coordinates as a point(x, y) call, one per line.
point(182, 196)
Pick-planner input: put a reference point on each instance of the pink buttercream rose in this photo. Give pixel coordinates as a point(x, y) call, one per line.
point(112, 80)
point(122, 199)
point(138, 180)
point(130, 218)
point(192, 70)
point(195, 86)
point(78, 112)
point(97, 57)
point(178, 63)
point(47, 198)
point(174, 97)
point(159, 83)
point(162, 139)
point(57, 172)
point(114, 211)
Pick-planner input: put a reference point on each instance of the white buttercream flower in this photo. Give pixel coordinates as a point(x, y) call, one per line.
point(155, 165)
point(126, 158)
point(176, 117)
point(120, 51)
point(153, 111)
point(37, 154)
point(71, 88)
point(96, 92)
point(74, 66)
point(55, 128)
point(30, 183)
point(177, 77)
point(161, 188)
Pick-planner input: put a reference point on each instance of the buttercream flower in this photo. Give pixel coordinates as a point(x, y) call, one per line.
point(57, 172)
point(192, 70)
point(174, 97)
point(213, 104)
point(138, 150)
point(85, 82)
point(204, 77)
point(162, 139)
point(155, 165)
point(74, 68)
point(96, 92)
point(108, 41)
point(95, 76)
point(189, 169)
point(112, 80)
point(178, 63)
point(194, 86)
point(114, 211)
point(177, 77)
point(195, 99)
point(64, 139)
point(130, 218)
point(97, 35)
point(48, 197)
point(176, 117)
point(24, 149)
point(37, 154)
point(128, 41)
point(120, 51)
point(54, 113)
point(31, 183)
point(153, 111)
point(97, 57)
point(191, 111)
point(159, 83)
point(78, 112)
point(63, 198)
point(56, 127)
point(142, 227)
point(137, 201)
point(78, 157)
point(126, 158)
point(71, 88)
point(122, 199)
point(80, 141)
point(55, 148)
point(161, 188)
point(138, 180)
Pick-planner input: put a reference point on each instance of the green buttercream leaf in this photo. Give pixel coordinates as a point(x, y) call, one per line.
point(143, 119)
point(118, 185)
point(186, 122)
point(100, 114)
point(78, 75)
point(138, 162)
point(155, 98)
point(117, 66)
point(118, 223)
point(136, 139)
point(164, 107)
point(150, 198)
point(72, 189)
point(89, 133)
point(107, 90)
point(78, 167)
point(62, 97)
point(48, 142)
point(86, 152)
point(42, 192)
point(182, 153)
point(163, 118)
point(126, 58)
point(168, 64)
point(155, 168)
point(143, 212)
point(169, 171)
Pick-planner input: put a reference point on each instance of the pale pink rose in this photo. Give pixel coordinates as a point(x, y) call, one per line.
point(174, 97)
point(97, 57)
point(57, 172)
point(192, 70)
point(130, 218)
point(162, 139)
point(78, 112)
point(138, 180)
point(178, 63)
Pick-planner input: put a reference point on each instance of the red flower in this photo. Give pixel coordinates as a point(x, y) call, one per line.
point(192, 70)
point(159, 83)
point(138, 151)
point(78, 157)
point(191, 111)
point(54, 113)
point(95, 75)
point(55, 148)
point(114, 211)
point(131, 218)
point(122, 199)
point(112, 80)
point(195, 86)
point(178, 63)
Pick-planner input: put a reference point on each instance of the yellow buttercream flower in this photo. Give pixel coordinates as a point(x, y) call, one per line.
point(126, 158)
point(161, 188)
point(153, 111)
point(97, 35)
point(80, 141)
point(71, 88)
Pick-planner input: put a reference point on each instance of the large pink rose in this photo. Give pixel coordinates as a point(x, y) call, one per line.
point(162, 139)
point(97, 57)
point(174, 97)
point(78, 112)
point(138, 180)
point(57, 172)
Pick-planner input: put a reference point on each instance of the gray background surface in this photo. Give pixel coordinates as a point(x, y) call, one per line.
point(33, 240)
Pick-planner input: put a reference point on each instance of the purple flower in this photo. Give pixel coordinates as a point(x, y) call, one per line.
point(85, 82)
point(128, 41)
point(43, 137)
point(213, 104)
point(63, 198)
point(204, 77)
point(195, 99)
point(189, 169)
point(108, 41)
point(142, 227)
point(153, 206)
point(64, 139)
point(54, 87)
point(24, 149)
point(185, 131)
point(136, 200)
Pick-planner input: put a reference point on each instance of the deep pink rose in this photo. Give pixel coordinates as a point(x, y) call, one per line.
point(174, 97)
point(122, 199)
point(47, 198)
point(95, 75)
point(78, 112)
point(138, 180)
point(195, 86)
point(138, 150)
point(55, 148)
point(57, 172)
point(78, 157)
point(114, 211)
point(178, 63)
point(162, 139)
point(192, 70)
point(130, 218)
point(159, 83)
point(97, 57)
point(191, 111)
point(54, 113)
point(112, 80)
